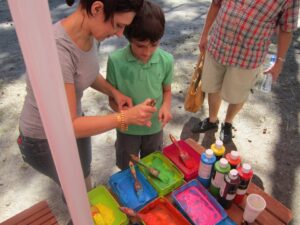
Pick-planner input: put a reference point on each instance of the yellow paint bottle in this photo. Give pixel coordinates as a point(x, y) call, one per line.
point(218, 149)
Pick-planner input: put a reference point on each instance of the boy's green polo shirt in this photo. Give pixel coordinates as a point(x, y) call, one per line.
point(141, 81)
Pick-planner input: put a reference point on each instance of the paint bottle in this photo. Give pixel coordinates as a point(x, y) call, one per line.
point(218, 149)
point(205, 168)
point(246, 174)
point(229, 188)
point(233, 158)
point(221, 168)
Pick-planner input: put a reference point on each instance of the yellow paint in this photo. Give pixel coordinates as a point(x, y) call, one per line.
point(104, 216)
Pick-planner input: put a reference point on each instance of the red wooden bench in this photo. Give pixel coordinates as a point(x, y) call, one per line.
point(38, 214)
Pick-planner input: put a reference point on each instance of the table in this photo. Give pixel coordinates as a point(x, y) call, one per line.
point(274, 214)
point(39, 213)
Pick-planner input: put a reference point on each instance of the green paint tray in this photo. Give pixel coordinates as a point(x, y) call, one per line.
point(172, 176)
point(100, 195)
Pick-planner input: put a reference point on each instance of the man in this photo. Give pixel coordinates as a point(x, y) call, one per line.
point(235, 50)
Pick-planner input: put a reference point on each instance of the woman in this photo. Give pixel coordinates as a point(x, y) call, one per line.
point(76, 38)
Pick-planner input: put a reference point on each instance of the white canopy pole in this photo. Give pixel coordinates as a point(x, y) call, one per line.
point(35, 33)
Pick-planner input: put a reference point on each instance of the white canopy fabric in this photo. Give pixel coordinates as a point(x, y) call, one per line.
point(34, 30)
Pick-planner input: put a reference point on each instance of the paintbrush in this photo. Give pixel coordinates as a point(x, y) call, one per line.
point(188, 161)
point(154, 172)
point(135, 216)
point(137, 185)
point(152, 102)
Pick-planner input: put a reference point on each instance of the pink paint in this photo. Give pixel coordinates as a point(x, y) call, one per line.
point(198, 206)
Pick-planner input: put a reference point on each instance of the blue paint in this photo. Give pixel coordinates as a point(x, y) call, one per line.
point(207, 162)
point(122, 184)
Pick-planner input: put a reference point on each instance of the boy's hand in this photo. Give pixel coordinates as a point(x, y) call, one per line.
point(164, 115)
point(122, 101)
point(152, 102)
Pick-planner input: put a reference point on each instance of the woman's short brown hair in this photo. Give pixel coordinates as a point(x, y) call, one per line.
point(148, 24)
point(111, 6)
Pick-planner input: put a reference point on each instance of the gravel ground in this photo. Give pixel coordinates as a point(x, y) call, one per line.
point(266, 131)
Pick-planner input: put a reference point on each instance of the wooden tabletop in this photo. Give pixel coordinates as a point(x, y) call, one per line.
point(274, 214)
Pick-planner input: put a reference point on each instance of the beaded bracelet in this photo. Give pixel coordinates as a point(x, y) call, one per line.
point(121, 121)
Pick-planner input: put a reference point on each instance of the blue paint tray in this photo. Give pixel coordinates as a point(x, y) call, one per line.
point(198, 205)
point(122, 184)
point(227, 221)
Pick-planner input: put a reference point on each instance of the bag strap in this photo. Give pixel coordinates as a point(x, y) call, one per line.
point(199, 66)
point(200, 59)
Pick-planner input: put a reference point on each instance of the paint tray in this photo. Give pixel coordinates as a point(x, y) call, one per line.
point(199, 206)
point(227, 221)
point(162, 212)
point(173, 154)
point(101, 196)
point(122, 184)
point(167, 170)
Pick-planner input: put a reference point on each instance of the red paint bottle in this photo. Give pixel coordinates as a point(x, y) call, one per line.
point(246, 174)
point(233, 159)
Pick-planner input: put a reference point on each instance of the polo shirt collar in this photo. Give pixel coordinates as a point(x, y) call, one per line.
point(131, 58)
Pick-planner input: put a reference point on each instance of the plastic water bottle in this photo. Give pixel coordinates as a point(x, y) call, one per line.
point(207, 162)
point(266, 85)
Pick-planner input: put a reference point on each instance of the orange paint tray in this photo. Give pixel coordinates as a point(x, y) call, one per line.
point(162, 212)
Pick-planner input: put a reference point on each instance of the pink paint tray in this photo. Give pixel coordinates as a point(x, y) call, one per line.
point(199, 206)
point(162, 212)
point(172, 153)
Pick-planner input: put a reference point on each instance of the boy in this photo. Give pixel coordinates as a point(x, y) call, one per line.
point(142, 70)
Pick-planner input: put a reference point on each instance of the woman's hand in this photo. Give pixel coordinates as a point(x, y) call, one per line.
point(140, 114)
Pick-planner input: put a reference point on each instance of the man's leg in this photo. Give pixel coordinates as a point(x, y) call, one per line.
point(235, 91)
point(232, 111)
point(212, 79)
point(214, 103)
point(226, 129)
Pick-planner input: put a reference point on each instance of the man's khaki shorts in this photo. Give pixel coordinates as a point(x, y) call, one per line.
point(233, 83)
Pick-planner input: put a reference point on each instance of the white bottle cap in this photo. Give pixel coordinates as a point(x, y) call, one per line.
point(234, 154)
point(219, 144)
point(246, 168)
point(233, 174)
point(209, 153)
point(223, 162)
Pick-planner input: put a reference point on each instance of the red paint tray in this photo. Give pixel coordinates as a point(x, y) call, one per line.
point(172, 153)
point(162, 212)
